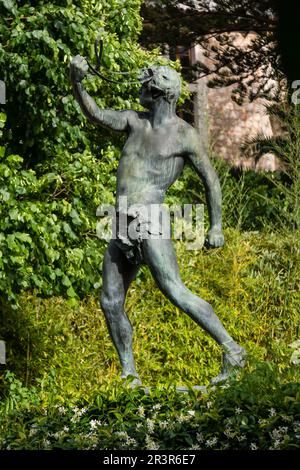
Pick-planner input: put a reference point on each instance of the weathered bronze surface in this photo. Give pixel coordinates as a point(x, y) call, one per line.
point(158, 145)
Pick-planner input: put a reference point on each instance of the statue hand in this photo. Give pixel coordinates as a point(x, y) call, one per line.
point(78, 68)
point(215, 238)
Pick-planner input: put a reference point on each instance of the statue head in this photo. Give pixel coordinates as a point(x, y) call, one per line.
point(159, 82)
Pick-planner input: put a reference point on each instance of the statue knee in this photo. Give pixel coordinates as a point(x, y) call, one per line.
point(111, 306)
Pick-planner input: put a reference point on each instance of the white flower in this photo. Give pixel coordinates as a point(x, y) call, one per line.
point(228, 432)
point(253, 446)
point(238, 411)
point(62, 410)
point(200, 437)
point(209, 404)
point(151, 445)
point(195, 447)
point(33, 430)
point(163, 424)
point(286, 418)
point(283, 429)
point(191, 412)
point(182, 419)
point(272, 412)
point(157, 407)
point(66, 429)
point(141, 411)
point(46, 443)
point(279, 433)
point(131, 441)
point(81, 412)
point(150, 425)
point(75, 419)
point(122, 434)
point(211, 442)
point(57, 435)
point(94, 423)
point(139, 426)
point(241, 438)
point(275, 434)
point(77, 414)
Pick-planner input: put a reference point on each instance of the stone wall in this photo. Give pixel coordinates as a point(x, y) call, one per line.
point(227, 124)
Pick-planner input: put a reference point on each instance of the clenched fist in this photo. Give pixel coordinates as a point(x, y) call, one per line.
point(78, 68)
point(215, 238)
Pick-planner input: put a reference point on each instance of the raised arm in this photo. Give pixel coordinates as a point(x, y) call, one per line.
point(108, 118)
point(200, 161)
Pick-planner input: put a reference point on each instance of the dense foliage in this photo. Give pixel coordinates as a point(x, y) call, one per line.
point(61, 390)
point(56, 168)
point(252, 283)
point(259, 411)
point(38, 40)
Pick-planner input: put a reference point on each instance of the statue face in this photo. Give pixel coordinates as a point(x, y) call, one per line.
point(146, 98)
point(159, 81)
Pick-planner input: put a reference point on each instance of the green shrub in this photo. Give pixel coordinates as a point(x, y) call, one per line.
point(56, 168)
point(286, 145)
point(250, 200)
point(260, 410)
point(257, 200)
point(252, 283)
point(38, 40)
point(47, 242)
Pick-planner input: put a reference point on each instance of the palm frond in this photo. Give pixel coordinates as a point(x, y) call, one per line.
point(261, 144)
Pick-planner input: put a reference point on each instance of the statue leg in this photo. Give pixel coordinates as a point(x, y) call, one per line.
point(161, 259)
point(117, 274)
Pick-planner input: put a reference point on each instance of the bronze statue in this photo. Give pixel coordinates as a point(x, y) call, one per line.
point(158, 145)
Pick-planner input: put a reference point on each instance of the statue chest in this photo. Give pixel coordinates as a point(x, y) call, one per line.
point(155, 145)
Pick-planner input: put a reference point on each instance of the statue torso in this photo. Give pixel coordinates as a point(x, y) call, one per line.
point(152, 159)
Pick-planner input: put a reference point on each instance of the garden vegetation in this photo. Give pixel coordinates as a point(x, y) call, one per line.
point(60, 386)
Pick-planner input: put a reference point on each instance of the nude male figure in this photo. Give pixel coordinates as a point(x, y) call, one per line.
point(158, 145)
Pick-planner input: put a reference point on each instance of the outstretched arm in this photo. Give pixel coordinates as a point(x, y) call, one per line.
point(108, 118)
point(199, 158)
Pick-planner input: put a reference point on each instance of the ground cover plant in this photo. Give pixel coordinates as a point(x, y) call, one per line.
point(257, 411)
point(61, 388)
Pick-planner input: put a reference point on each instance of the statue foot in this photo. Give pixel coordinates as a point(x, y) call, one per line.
point(136, 382)
point(232, 361)
point(132, 380)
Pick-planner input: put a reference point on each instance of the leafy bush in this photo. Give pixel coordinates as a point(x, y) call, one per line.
point(38, 40)
point(56, 168)
point(250, 200)
point(286, 145)
point(47, 242)
point(252, 283)
point(259, 411)
point(257, 200)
